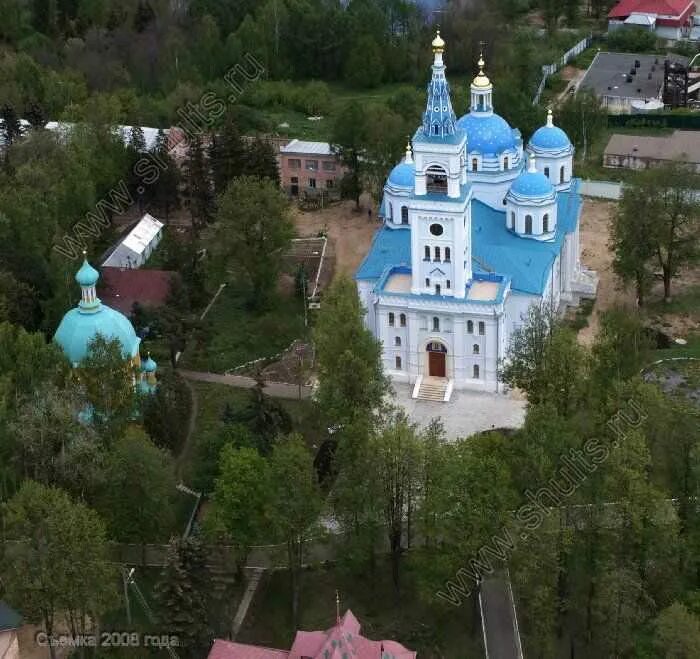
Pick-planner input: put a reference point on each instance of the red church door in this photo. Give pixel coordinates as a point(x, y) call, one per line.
point(436, 364)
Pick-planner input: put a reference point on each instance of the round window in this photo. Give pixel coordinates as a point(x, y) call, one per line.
point(436, 229)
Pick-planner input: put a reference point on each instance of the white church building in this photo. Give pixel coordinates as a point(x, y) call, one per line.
point(476, 228)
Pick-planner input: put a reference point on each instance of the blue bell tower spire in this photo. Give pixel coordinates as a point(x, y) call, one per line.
point(439, 120)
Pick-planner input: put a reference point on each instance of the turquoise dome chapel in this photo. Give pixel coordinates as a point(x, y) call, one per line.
point(82, 324)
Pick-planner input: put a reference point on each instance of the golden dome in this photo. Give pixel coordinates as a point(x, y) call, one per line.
point(438, 43)
point(481, 80)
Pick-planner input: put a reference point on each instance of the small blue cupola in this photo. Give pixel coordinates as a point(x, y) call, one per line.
point(439, 120)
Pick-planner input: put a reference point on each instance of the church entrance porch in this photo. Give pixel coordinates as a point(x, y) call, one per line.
point(437, 360)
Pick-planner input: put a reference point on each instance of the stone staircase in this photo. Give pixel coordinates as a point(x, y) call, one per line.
point(433, 389)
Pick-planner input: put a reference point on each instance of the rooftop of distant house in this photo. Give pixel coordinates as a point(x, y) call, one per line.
point(341, 640)
point(307, 148)
point(121, 287)
point(682, 145)
point(609, 72)
point(9, 618)
point(665, 8)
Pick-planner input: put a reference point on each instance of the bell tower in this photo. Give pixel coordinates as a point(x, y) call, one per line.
point(440, 208)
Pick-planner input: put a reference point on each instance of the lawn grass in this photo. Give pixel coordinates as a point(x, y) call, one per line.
point(238, 334)
point(432, 631)
point(686, 304)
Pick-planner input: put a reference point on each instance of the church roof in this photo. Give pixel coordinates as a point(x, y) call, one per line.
point(532, 185)
point(87, 275)
point(494, 248)
point(77, 330)
point(487, 133)
point(550, 137)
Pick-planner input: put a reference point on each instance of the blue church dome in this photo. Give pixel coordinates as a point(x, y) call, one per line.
point(87, 275)
point(403, 175)
point(532, 183)
point(78, 329)
point(149, 366)
point(487, 133)
point(81, 325)
point(550, 137)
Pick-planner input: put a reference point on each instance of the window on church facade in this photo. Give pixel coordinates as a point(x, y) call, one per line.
point(438, 290)
point(562, 174)
point(448, 284)
point(427, 253)
point(447, 254)
point(512, 220)
point(397, 341)
point(475, 164)
point(470, 326)
point(482, 327)
point(546, 172)
point(505, 162)
point(545, 223)
point(404, 214)
point(528, 224)
point(437, 254)
point(402, 320)
point(427, 282)
point(391, 319)
point(476, 372)
point(436, 324)
point(398, 363)
point(475, 348)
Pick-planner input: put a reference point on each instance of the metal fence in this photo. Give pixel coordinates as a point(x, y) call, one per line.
point(551, 69)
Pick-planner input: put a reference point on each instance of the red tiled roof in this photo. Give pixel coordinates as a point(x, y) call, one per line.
point(229, 650)
point(120, 287)
point(342, 640)
point(665, 7)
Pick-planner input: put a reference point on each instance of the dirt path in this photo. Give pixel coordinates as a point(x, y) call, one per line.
point(350, 233)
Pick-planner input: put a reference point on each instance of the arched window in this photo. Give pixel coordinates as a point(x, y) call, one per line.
point(436, 129)
point(448, 284)
point(398, 363)
point(391, 212)
point(438, 289)
point(482, 327)
point(476, 372)
point(528, 224)
point(404, 214)
point(562, 174)
point(427, 253)
point(505, 162)
point(470, 326)
point(512, 220)
point(546, 172)
point(436, 324)
point(402, 320)
point(475, 164)
point(437, 253)
point(391, 319)
point(397, 341)
point(436, 179)
point(447, 254)
point(545, 223)
point(475, 348)
point(427, 282)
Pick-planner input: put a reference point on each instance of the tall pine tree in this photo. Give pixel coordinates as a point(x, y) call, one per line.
point(200, 195)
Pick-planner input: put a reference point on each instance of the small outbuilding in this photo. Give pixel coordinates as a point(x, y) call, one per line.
point(10, 622)
point(135, 249)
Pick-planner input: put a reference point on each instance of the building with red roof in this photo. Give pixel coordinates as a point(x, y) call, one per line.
point(341, 641)
point(668, 19)
point(121, 287)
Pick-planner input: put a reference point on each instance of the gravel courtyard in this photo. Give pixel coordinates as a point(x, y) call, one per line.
point(468, 412)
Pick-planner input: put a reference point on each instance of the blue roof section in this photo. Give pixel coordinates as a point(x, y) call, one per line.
point(78, 329)
point(532, 184)
point(403, 175)
point(439, 119)
point(527, 261)
point(550, 138)
point(495, 249)
point(87, 275)
point(487, 133)
point(390, 247)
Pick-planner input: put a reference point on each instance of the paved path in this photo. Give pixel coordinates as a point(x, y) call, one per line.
point(254, 577)
point(498, 619)
point(274, 389)
point(468, 412)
